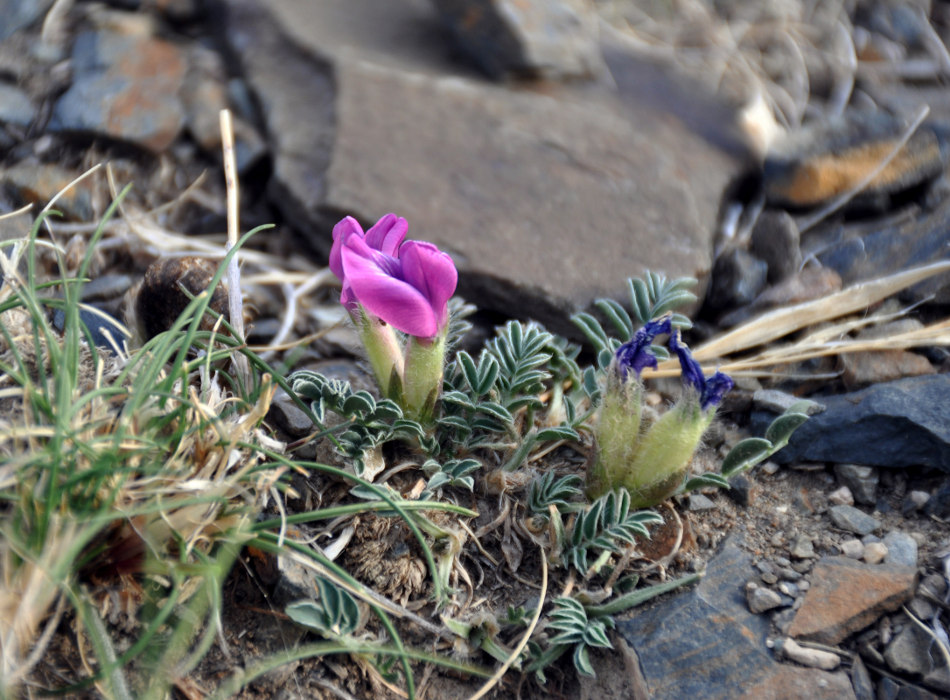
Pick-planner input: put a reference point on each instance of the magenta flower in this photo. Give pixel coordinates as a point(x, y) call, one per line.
point(407, 284)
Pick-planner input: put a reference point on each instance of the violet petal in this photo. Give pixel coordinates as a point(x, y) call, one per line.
point(390, 298)
point(387, 234)
point(432, 272)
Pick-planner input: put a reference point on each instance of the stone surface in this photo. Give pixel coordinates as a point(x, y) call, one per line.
point(15, 106)
point(551, 39)
point(726, 656)
point(737, 279)
point(846, 596)
point(775, 240)
point(124, 86)
point(863, 252)
point(17, 14)
point(204, 94)
point(860, 480)
point(780, 401)
point(861, 680)
point(816, 164)
point(908, 652)
point(853, 520)
point(939, 502)
point(37, 183)
point(803, 548)
point(901, 549)
point(550, 199)
point(862, 368)
point(898, 424)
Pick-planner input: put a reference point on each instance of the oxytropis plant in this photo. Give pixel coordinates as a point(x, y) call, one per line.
point(480, 423)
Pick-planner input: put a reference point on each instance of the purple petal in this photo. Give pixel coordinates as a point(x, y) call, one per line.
point(716, 388)
point(432, 272)
point(387, 234)
point(391, 299)
point(635, 354)
point(711, 391)
point(692, 372)
point(347, 225)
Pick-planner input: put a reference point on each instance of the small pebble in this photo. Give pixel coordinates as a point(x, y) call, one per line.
point(770, 467)
point(901, 549)
point(760, 599)
point(788, 574)
point(918, 499)
point(803, 548)
point(803, 566)
point(853, 520)
point(813, 658)
point(853, 548)
point(699, 502)
point(875, 552)
point(841, 497)
point(789, 589)
point(803, 586)
point(778, 539)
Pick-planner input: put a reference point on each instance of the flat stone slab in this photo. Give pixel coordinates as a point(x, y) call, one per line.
point(704, 643)
point(846, 596)
point(547, 198)
point(905, 423)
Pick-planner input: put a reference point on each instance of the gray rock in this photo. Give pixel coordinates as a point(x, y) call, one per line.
point(288, 417)
point(939, 502)
point(737, 279)
point(901, 549)
point(15, 106)
point(908, 652)
point(775, 240)
point(204, 94)
point(698, 501)
point(124, 86)
point(761, 600)
point(17, 14)
point(552, 39)
point(552, 200)
point(861, 480)
point(667, 638)
point(861, 680)
point(780, 401)
point(37, 183)
point(871, 252)
point(914, 501)
point(852, 548)
point(898, 424)
point(803, 548)
point(853, 520)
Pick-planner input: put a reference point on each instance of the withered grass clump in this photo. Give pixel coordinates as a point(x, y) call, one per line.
point(114, 467)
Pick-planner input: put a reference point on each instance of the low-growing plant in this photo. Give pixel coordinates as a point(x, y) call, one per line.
point(153, 469)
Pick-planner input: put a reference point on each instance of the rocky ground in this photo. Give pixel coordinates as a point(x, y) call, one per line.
point(553, 160)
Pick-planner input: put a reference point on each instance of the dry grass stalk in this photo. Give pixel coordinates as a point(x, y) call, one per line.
point(780, 323)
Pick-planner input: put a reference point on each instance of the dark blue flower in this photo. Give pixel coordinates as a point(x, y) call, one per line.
point(635, 353)
point(712, 390)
